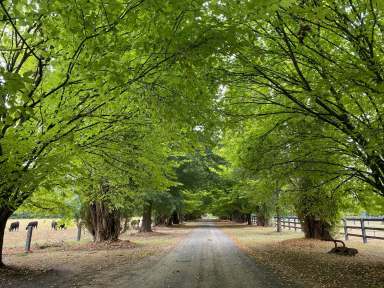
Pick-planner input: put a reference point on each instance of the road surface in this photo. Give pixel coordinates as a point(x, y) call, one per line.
point(207, 258)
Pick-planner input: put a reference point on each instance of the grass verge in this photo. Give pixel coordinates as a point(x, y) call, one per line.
point(306, 263)
point(66, 265)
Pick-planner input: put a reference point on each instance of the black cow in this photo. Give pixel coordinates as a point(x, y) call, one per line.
point(62, 226)
point(54, 225)
point(14, 226)
point(32, 224)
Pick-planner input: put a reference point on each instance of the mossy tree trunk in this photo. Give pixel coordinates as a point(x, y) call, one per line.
point(314, 228)
point(175, 218)
point(106, 224)
point(249, 219)
point(5, 213)
point(101, 219)
point(147, 217)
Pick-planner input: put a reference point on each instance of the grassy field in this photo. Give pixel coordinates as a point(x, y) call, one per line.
point(43, 235)
point(306, 262)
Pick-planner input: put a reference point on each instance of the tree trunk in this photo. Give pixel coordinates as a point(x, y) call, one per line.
point(102, 222)
point(237, 217)
point(160, 220)
point(261, 220)
point(175, 218)
point(314, 228)
point(249, 219)
point(78, 237)
point(278, 212)
point(5, 213)
point(181, 218)
point(169, 221)
point(278, 219)
point(146, 221)
point(101, 219)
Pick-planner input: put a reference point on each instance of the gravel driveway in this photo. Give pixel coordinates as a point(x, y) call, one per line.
point(206, 258)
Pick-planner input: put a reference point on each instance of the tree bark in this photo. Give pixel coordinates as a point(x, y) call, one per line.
point(147, 215)
point(278, 212)
point(181, 217)
point(105, 222)
point(5, 213)
point(160, 220)
point(175, 218)
point(101, 219)
point(169, 221)
point(315, 228)
point(278, 219)
point(237, 217)
point(249, 219)
point(261, 220)
point(278, 224)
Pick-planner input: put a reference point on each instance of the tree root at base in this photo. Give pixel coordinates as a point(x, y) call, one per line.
point(342, 250)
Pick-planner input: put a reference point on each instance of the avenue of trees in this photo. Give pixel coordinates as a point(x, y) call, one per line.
point(173, 109)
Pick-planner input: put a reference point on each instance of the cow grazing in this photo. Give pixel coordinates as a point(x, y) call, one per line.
point(54, 225)
point(14, 226)
point(32, 224)
point(62, 226)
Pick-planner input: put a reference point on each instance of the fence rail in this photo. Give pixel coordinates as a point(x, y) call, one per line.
point(365, 229)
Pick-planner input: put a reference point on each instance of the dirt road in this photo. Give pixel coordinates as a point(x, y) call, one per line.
point(206, 258)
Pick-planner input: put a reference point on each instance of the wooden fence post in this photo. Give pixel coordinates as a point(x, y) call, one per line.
point(363, 232)
point(29, 239)
point(345, 229)
point(294, 223)
point(289, 224)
